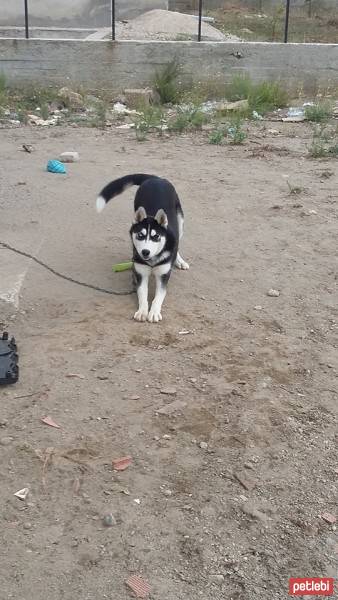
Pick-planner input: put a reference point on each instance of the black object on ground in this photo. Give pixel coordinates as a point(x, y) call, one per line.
point(9, 370)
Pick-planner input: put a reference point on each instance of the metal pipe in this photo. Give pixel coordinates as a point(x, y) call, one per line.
point(26, 20)
point(286, 29)
point(200, 11)
point(113, 20)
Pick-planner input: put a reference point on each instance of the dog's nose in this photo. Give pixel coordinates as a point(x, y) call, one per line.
point(145, 253)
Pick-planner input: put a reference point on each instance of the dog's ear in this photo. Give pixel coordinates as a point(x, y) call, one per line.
point(140, 215)
point(161, 218)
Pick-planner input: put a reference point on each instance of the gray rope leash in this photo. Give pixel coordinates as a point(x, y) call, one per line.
point(66, 277)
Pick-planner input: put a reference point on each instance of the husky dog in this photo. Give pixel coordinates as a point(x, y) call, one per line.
point(155, 234)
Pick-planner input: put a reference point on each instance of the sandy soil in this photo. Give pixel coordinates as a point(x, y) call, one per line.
point(167, 25)
point(231, 473)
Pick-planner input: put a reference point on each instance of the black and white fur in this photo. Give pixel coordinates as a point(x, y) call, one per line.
point(155, 234)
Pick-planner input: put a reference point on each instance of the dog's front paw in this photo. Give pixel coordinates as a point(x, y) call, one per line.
point(154, 315)
point(141, 315)
point(180, 263)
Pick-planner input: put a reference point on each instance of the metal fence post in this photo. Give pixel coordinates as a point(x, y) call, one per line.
point(113, 20)
point(26, 20)
point(286, 29)
point(200, 10)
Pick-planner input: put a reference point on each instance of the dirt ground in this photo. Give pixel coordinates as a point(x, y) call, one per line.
point(231, 472)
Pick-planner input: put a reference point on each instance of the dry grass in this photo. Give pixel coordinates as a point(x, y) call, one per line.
point(267, 24)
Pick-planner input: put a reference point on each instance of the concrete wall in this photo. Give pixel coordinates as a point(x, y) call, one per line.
point(114, 66)
point(73, 13)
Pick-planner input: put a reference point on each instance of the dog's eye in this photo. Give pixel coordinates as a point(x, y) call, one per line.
point(140, 236)
point(156, 238)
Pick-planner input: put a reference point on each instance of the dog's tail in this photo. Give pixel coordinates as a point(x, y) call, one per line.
point(116, 187)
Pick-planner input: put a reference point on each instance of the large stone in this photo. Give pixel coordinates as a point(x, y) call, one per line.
point(225, 107)
point(71, 98)
point(135, 98)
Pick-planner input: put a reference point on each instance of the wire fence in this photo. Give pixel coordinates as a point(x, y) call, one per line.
point(199, 21)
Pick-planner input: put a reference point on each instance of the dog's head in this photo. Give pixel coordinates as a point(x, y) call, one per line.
point(149, 234)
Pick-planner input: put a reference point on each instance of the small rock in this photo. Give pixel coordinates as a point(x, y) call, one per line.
point(273, 293)
point(109, 520)
point(172, 408)
point(3, 423)
point(135, 397)
point(248, 483)
point(249, 465)
point(167, 493)
point(167, 437)
point(217, 579)
point(27, 526)
point(203, 445)
point(169, 391)
point(249, 509)
point(69, 157)
point(6, 441)
point(258, 307)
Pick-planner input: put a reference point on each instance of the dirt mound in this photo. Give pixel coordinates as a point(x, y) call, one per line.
point(167, 25)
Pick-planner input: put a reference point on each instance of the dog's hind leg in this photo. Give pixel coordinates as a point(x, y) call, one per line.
point(141, 275)
point(179, 262)
point(162, 275)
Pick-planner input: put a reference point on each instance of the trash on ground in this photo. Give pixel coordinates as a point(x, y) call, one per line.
point(295, 114)
point(121, 464)
point(329, 518)
point(121, 109)
point(256, 116)
point(109, 520)
point(9, 370)
point(49, 421)
point(139, 586)
point(28, 148)
point(22, 494)
point(119, 267)
point(69, 157)
point(273, 293)
point(55, 166)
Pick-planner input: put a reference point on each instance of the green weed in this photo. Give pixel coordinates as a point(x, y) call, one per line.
point(318, 113)
point(262, 97)
point(187, 117)
point(152, 118)
point(324, 143)
point(44, 112)
point(166, 84)
point(217, 136)
point(235, 131)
